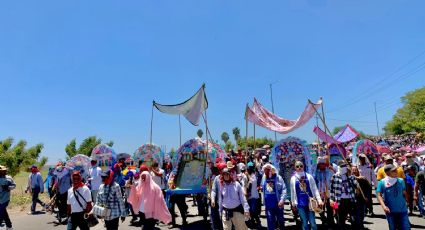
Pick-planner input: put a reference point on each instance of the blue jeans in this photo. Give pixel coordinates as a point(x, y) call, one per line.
point(35, 200)
point(272, 214)
point(421, 202)
point(398, 220)
point(307, 216)
point(4, 215)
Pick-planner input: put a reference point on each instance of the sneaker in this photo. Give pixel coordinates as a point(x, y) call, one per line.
point(31, 213)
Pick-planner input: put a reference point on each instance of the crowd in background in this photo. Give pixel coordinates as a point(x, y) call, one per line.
point(238, 187)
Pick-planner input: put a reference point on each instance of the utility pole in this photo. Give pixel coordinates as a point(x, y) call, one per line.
point(271, 97)
point(376, 116)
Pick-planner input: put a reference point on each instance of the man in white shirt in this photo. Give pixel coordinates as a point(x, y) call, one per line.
point(158, 176)
point(79, 203)
point(95, 179)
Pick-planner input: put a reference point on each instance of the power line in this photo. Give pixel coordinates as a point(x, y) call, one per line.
point(372, 90)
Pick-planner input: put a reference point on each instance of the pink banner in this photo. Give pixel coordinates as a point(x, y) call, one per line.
point(324, 136)
point(266, 119)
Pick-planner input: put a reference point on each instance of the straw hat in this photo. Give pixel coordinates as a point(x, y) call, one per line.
point(230, 165)
point(3, 168)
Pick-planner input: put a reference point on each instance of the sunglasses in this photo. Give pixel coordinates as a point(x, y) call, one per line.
point(299, 166)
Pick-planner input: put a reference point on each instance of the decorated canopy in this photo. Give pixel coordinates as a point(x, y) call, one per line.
point(105, 156)
point(260, 116)
point(368, 148)
point(190, 166)
point(81, 163)
point(191, 109)
point(290, 150)
point(148, 153)
point(286, 152)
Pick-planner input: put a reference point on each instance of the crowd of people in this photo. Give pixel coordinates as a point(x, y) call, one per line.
point(239, 186)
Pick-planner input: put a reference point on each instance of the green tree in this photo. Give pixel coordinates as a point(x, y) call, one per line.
point(236, 134)
point(411, 117)
point(228, 146)
point(259, 142)
point(225, 137)
point(85, 148)
point(17, 157)
point(200, 133)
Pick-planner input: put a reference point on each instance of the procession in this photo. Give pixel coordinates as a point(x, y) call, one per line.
point(221, 115)
point(335, 179)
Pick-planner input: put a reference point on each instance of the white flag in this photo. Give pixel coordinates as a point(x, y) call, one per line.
point(192, 109)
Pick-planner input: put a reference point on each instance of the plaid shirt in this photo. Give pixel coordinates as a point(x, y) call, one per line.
point(115, 200)
point(336, 188)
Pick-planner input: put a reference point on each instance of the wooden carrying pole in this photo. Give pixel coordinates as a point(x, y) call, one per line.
point(339, 148)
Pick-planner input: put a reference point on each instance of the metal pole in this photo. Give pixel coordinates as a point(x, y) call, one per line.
point(150, 139)
point(255, 143)
point(271, 97)
point(376, 116)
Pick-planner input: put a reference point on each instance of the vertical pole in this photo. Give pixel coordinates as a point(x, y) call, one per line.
point(376, 116)
point(180, 130)
point(255, 143)
point(246, 139)
point(323, 115)
point(271, 97)
point(150, 139)
point(318, 140)
point(206, 128)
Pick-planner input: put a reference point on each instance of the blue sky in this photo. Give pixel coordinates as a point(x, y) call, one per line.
point(70, 69)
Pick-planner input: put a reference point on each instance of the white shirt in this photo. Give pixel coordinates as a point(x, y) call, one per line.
point(84, 193)
point(368, 173)
point(254, 191)
point(159, 180)
point(95, 179)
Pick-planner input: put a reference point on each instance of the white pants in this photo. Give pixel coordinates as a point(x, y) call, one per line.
point(238, 220)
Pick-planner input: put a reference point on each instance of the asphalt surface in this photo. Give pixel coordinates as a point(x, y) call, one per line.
point(45, 221)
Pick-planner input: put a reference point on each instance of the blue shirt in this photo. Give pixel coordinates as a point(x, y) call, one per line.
point(393, 196)
point(8, 182)
point(274, 190)
point(303, 196)
point(36, 181)
point(64, 183)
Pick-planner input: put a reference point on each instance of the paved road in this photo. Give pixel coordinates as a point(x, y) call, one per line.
point(43, 221)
